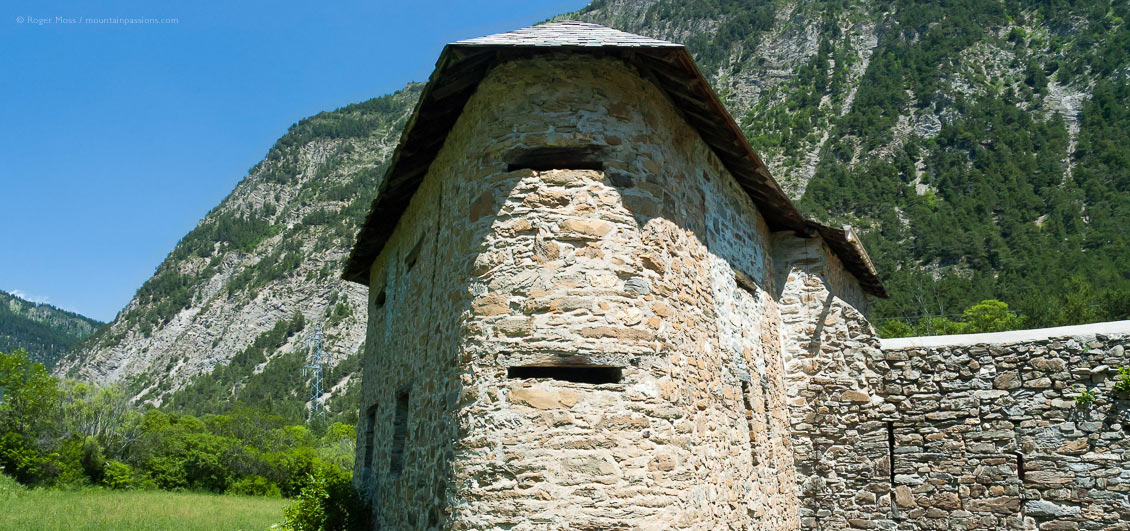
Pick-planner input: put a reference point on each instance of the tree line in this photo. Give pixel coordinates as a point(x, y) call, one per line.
point(63, 433)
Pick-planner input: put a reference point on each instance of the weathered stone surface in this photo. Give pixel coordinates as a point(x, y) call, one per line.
point(1024, 394)
point(489, 305)
point(1076, 447)
point(999, 505)
point(589, 228)
point(1007, 380)
point(946, 500)
point(544, 398)
point(904, 497)
point(1049, 479)
point(1044, 508)
point(1047, 364)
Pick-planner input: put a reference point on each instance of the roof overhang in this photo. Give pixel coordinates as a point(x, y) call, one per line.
point(463, 65)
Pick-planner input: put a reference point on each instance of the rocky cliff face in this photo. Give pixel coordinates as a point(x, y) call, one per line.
point(760, 57)
point(978, 147)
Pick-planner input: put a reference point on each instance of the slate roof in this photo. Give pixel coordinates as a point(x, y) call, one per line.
point(566, 34)
point(463, 64)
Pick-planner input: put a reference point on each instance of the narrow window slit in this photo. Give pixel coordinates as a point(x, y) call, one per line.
point(558, 158)
point(591, 374)
point(1019, 465)
point(550, 165)
point(410, 258)
point(370, 433)
point(399, 432)
point(891, 450)
point(748, 411)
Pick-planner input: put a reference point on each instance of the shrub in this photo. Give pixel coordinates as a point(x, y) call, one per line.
point(328, 501)
point(255, 486)
point(1084, 399)
point(67, 463)
point(1122, 385)
point(93, 461)
point(895, 328)
point(28, 394)
point(167, 473)
point(990, 315)
point(118, 475)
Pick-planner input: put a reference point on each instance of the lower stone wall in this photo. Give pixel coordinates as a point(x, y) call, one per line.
point(839, 440)
point(987, 432)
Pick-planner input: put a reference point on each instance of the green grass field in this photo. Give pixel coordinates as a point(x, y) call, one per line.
point(109, 509)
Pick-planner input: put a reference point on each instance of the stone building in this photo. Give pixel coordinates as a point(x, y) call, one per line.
point(591, 307)
point(587, 298)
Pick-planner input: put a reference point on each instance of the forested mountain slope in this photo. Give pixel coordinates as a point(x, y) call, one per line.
point(45, 331)
point(226, 317)
point(982, 148)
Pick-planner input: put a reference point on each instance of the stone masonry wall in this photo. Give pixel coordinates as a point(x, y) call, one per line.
point(838, 437)
point(974, 415)
point(410, 369)
point(658, 265)
point(962, 418)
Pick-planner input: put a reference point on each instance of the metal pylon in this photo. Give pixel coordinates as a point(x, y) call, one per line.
point(314, 371)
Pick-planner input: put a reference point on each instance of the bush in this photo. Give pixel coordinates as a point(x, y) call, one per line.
point(93, 461)
point(167, 473)
point(1084, 399)
point(118, 475)
point(255, 486)
point(895, 328)
point(1122, 384)
point(328, 501)
point(68, 464)
point(991, 315)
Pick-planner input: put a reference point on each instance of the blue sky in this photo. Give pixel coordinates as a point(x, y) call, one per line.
point(115, 139)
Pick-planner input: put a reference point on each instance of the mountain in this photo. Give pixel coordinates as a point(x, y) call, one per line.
point(46, 332)
point(226, 317)
point(981, 148)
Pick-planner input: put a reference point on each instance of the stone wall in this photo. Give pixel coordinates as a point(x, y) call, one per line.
point(983, 430)
point(961, 417)
point(410, 370)
point(658, 265)
point(838, 437)
point(631, 268)
point(975, 413)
